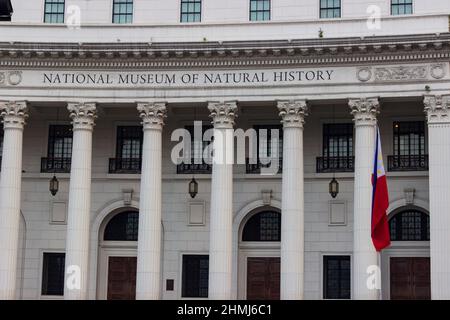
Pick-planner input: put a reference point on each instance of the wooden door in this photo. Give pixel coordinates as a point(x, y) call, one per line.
point(263, 278)
point(121, 278)
point(410, 278)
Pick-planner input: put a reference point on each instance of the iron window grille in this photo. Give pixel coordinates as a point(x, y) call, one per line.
point(263, 226)
point(260, 10)
point(59, 151)
point(400, 7)
point(330, 8)
point(410, 149)
point(198, 164)
point(336, 277)
point(264, 157)
point(122, 11)
point(410, 225)
point(337, 150)
point(123, 227)
point(128, 150)
point(54, 11)
point(191, 11)
point(195, 276)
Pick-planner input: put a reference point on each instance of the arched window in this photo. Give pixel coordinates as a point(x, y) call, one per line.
point(263, 226)
point(122, 227)
point(410, 225)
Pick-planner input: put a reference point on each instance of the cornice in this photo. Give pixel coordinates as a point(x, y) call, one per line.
point(369, 50)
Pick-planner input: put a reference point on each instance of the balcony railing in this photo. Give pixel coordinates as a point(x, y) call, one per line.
point(191, 168)
point(255, 168)
point(408, 163)
point(59, 165)
point(125, 165)
point(335, 164)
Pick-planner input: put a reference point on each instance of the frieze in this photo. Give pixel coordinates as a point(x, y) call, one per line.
point(402, 73)
point(11, 78)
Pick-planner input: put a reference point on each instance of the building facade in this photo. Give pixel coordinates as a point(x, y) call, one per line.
point(98, 202)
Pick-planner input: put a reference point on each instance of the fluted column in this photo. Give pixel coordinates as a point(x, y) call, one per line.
point(438, 114)
point(292, 202)
point(14, 115)
point(77, 241)
point(364, 112)
point(148, 277)
point(221, 213)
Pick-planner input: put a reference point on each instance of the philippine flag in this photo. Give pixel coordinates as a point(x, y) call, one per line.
point(380, 201)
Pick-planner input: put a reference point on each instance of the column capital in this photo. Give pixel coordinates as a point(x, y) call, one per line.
point(152, 114)
point(14, 113)
point(293, 113)
point(364, 111)
point(223, 113)
point(437, 109)
point(83, 115)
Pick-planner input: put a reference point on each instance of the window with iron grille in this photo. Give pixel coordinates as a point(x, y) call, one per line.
point(409, 138)
point(191, 10)
point(399, 7)
point(59, 150)
point(263, 226)
point(259, 10)
point(198, 164)
point(336, 277)
point(53, 274)
point(128, 150)
point(410, 225)
point(54, 11)
point(330, 8)
point(337, 148)
point(122, 227)
point(264, 153)
point(122, 11)
point(195, 276)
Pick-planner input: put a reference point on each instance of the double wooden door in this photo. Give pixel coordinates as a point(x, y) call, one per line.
point(410, 278)
point(121, 278)
point(263, 278)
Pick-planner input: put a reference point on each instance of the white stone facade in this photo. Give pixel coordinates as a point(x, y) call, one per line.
point(397, 73)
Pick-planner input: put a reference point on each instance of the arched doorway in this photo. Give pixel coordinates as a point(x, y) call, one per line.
point(408, 258)
point(117, 255)
point(259, 255)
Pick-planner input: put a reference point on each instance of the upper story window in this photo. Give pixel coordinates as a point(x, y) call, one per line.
point(122, 11)
point(410, 150)
point(399, 7)
point(259, 10)
point(191, 10)
point(59, 152)
point(265, 154)
point(198, 164)
point(337, 148)
point(6, 10)
point(53, 274)
point(54, 11)
point(330, 8)
point(128, 150)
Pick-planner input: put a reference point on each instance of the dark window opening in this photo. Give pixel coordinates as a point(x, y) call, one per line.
point(263, 226)
point(191, 10)
point(337, 149)
point(259, 10)
point(410, 225)
point(128, 150)
point(122, 11)
point(54, 11)
point(336, 277)
point(330, 8)
point(195, 276)
point(265, 154)
point(53, 274)
point(123, 227)
point(6, 10)
point(199, 164)
point(59, 151)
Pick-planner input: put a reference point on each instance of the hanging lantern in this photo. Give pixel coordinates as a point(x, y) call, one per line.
point(54, 186)
point(334, 187)
point(193, 188)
